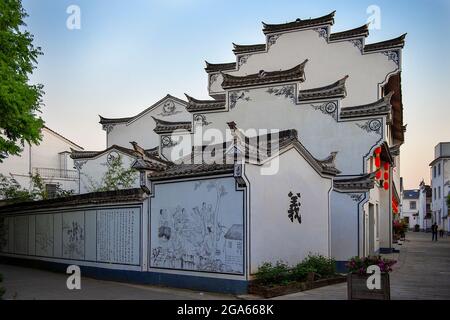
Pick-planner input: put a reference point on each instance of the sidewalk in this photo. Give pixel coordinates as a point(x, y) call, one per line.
point(421, 273)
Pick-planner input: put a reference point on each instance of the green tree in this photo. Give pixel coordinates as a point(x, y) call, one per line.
point(10, 189)
point(20, 101)
point(116, 177)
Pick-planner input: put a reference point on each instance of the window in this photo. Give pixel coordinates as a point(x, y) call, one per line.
point(412, 205)
point(439, 192)
point(434, 192)
point(50, 189)
point(439, 169)
point(434, 171)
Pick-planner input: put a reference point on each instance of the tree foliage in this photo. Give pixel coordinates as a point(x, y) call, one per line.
point(116, 177)
point(19, 101)
point(10, 189)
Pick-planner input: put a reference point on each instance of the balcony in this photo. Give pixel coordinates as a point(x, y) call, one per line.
point(51, 173)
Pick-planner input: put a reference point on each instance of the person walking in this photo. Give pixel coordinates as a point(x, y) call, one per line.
point(434, 231)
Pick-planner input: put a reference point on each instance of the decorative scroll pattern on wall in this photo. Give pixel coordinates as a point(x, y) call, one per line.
point(169, 109)
point(286, 91)
point(213, 78)
point(329, 108)
point(323, 32)
point(168, 142)
point(243, 59)
point(294, 207)
point(373, 125)
point(358, 44)
point(201, 120)
point(235, 96)
point(271, 40)
point(393, 55)
point(357, 197)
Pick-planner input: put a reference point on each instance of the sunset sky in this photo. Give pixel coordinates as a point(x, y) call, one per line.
point(129, 54)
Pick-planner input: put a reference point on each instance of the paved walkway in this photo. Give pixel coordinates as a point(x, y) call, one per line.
point(29, 284)
point(422, 272)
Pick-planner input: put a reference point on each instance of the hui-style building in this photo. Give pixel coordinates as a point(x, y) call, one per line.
point(310, 125)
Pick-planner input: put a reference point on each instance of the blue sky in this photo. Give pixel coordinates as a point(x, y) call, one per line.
point(128, 54)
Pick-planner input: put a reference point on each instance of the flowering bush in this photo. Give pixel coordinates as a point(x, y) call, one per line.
point(360, 265)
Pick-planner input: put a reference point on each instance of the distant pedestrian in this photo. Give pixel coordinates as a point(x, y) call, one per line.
point(441, 232)
point(434, 231)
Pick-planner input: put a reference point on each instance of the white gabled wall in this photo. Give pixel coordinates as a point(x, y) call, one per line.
point(272, 234)
point(93, 170)
point(141, 129)
point(327, 63)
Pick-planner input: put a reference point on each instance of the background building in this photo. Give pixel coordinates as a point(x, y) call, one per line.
point(50, 159)
point(410, 207)
point(440, 184)
point(425, 199)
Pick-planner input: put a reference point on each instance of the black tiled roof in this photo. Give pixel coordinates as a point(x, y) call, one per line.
point(362, 31)
point(170, 126)
point(398, 42)
point(126, 195)
point(296, 73)
point(380, 107)
point(238, 48)
point(299, 24)
point(195, 105)
point(216, 67)
point(335, 90)
point(363, 183)
point(411, 194)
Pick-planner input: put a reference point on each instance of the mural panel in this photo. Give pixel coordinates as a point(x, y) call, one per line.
point(73, 235)
point(118, 235)
point(44, 235)
point(4, 233)
point(198, 225)
point(21, 235)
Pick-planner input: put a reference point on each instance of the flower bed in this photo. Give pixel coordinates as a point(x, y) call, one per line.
point(279, 279)
point(357, 279)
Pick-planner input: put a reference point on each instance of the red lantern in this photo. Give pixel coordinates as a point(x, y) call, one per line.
point(386, 185)
point(386, 176)
point(378, 175)
point(386, 166)
point(378, 150)
point(377, 162)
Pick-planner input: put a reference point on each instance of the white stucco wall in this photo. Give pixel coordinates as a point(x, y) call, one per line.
point(141, 128)
point(272, 234)
point(94, 169)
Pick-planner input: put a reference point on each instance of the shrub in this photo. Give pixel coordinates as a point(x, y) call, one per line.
point(300, 272)
point(281, 273)
point(321, 265)
point(268, 274)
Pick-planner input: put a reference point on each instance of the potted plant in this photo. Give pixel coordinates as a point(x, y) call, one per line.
point(358, 286)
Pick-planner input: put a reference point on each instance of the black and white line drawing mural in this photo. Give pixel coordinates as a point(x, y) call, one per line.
point(199, 237)
point(20, 234)
point(44, 235)
point(294, 207)
point(4, 234)
point(73, 235)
